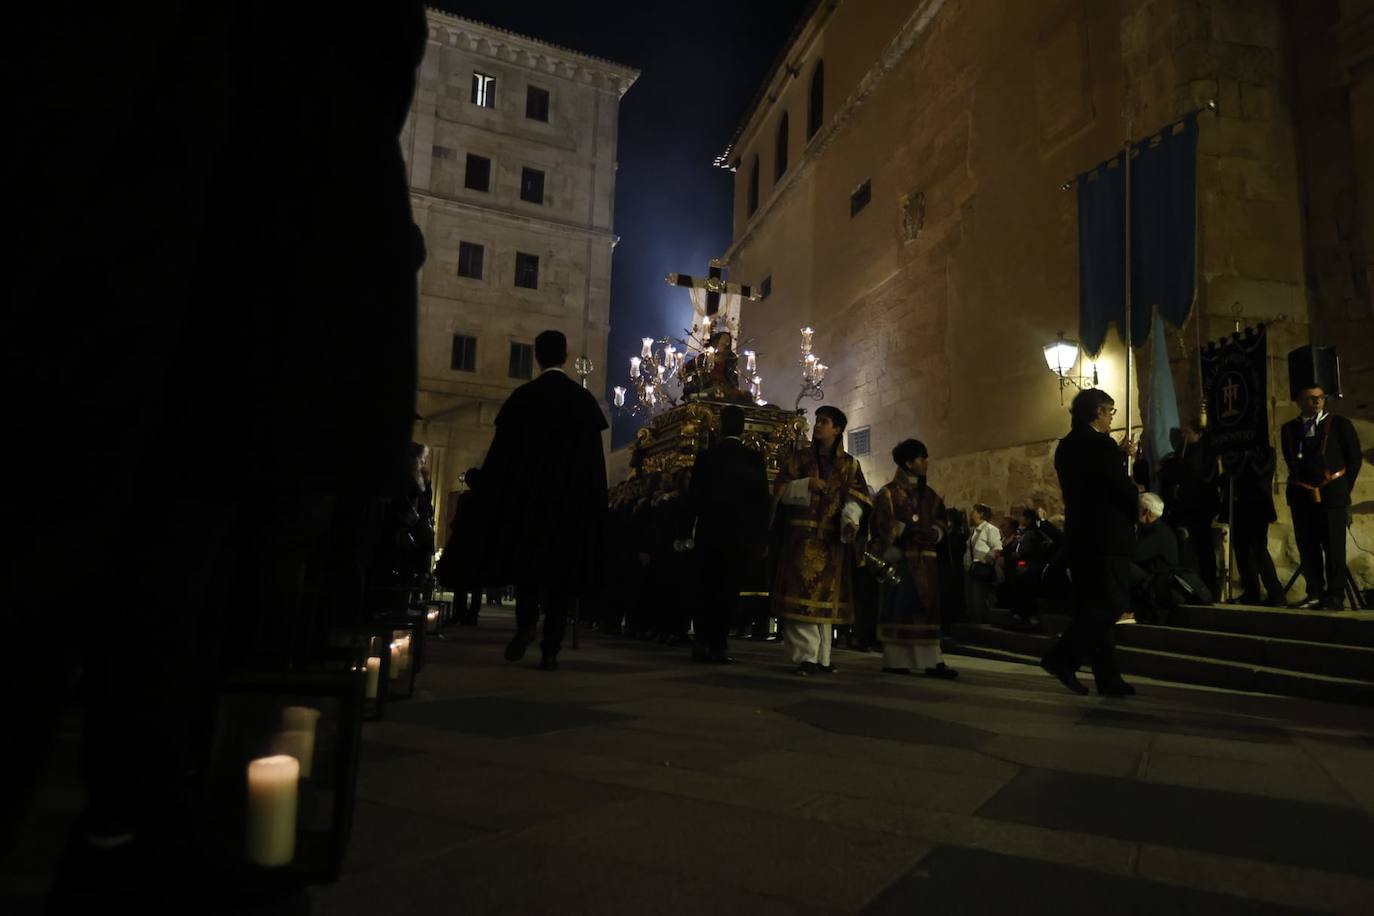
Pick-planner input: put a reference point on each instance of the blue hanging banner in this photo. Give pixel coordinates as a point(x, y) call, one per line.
point(1163, 226)
point(1163, 237)
point(1101, 253)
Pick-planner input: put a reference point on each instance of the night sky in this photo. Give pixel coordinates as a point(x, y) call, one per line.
point(700, 64)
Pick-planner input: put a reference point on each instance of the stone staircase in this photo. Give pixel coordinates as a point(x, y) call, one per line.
point(1313, 654)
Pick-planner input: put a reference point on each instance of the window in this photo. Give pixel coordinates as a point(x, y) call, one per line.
point(470, 260)
point(527, 270)
point(780, 150)
point(483, 90)
point(532, 185)
point(766, 287)
point(754, 186)
point(859, 199)
point(537, 104)
point(464, 357)
point(815, 109)
point(477, 176)
point(859, 441)
point(521, 360)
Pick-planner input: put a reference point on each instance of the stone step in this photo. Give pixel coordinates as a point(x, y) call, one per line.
point(1350, 628)
point(1180, 667)
point(1355, 662)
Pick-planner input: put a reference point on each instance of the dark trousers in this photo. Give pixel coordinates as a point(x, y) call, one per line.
point(1102, 592)
point(1320, 533)
point(530, 600)
point(1200, 535)
point(1251, 541)
point(714, 614)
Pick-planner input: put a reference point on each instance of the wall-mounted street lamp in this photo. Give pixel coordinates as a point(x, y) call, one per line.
point(1060, 357)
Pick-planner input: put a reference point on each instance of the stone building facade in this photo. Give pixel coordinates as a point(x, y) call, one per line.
point(899, 187)
point(511, 151)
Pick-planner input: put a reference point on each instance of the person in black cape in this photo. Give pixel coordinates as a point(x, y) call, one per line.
point(727, 507)
point(1099, 535)
point(545, 477)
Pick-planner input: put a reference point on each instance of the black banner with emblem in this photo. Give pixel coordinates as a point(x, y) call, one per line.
point(1235, 377)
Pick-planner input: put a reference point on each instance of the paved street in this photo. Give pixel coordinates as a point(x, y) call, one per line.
point(632, 781)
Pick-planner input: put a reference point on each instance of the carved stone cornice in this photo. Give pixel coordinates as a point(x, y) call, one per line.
point(522, 51)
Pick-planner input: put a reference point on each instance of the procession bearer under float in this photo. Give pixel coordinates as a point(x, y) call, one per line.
point(821, 495)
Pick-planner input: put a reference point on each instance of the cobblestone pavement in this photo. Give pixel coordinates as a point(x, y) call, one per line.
point(633, 781)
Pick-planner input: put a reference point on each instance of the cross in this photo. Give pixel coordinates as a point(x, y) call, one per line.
point(712, 295)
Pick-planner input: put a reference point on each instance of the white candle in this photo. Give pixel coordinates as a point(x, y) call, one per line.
point(374, 672)
point(300, 722)
point(395, 660)
point(297, 743)
point(272, 809)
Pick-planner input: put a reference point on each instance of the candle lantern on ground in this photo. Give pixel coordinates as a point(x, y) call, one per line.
point(281, 777)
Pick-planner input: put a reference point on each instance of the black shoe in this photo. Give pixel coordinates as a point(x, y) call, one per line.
point(515, 649)
point(1066, 676)
point(907, 671)
point(826, 669)
point(1334, 603)
point(1311, 602)
point(942, 671)
point(549, 662)
point(806, 669)
point(1119, 689)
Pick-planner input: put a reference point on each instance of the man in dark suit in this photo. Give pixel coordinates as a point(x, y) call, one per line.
point(727, 505)
point(1323, 455)
point(1250, 474)
point(545, 479)
point(1099, 536)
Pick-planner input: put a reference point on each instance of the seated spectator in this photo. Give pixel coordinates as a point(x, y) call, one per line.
point(1161, 582)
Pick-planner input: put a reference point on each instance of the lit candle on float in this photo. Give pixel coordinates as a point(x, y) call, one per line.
point(821, 369)
point(749, 361)
point(271, 835)
point(395, 660)
point(374, 673)
point(619, 396)
point(647, 345)
point(806, 339)
point(634, 367)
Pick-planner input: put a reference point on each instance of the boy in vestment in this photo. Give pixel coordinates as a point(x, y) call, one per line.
point(908, 523)
point(822, 494)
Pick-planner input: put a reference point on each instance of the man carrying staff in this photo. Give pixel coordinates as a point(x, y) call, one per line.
point(1323, 455)
point(1100, 512)
point(908, 523)
point(822, 493)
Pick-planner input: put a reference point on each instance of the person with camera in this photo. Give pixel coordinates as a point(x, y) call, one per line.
point(908, 524)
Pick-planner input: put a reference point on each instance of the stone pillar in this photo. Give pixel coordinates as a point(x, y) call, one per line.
point(1357, 60)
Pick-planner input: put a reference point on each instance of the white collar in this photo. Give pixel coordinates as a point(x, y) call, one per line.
point(553, 369)
point(1319, 417)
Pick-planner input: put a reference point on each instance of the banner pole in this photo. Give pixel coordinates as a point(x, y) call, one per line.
point(1130, 348)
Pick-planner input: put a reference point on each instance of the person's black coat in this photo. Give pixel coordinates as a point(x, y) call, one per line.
point(1342, 452)
point(1188, 482)
point(1099, 499)
point(1252, 476)
point(728, 501)
point(459, 569)
point(545, 477)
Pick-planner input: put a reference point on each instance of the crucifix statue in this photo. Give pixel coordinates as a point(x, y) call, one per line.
point(715, 302)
